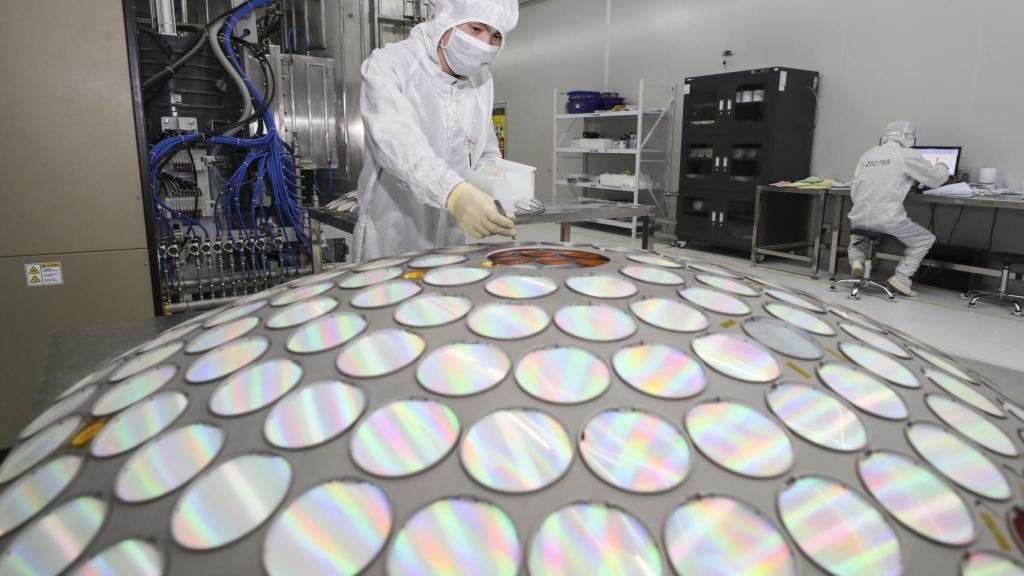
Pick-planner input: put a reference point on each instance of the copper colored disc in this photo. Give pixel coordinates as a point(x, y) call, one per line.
point(1017, 523)
point(554, 261)
point(535, 253)
point(512, 261)
point(578, 254)
point(590, 262)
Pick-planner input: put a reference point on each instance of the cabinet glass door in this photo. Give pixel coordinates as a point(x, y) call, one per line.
point(753, 98)
point(739, 221)
point(746, 162)
point(699, 160)
point(750, 102)
point(697, 215)
point(702, 106)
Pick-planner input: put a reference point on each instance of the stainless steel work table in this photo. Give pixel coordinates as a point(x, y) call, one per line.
point(790, 250)
point(565, 213)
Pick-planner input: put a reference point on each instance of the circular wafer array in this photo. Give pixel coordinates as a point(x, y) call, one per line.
point(522, 409)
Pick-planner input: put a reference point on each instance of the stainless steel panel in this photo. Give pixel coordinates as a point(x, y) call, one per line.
point(306, 109)
point(199, 12)
point(309, 17)
point(394, 19)
point(392, 8)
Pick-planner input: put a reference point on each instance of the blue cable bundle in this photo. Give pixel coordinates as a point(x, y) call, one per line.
point(268, 153)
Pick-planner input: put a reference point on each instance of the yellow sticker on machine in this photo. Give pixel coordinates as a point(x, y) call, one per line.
point(43, 274)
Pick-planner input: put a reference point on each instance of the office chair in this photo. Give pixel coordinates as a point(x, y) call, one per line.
point(1008, 261)
point(872, 238)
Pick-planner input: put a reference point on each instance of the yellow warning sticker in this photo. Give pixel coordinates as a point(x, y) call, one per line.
point(44, 274)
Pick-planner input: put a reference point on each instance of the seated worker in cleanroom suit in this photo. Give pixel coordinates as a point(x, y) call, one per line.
point(426, 105)
point(884, 175)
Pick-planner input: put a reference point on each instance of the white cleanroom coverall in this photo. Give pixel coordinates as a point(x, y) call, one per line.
point(424, 130)
point(883, 177)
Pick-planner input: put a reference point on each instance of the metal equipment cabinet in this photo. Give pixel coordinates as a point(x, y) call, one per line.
point(741, 130)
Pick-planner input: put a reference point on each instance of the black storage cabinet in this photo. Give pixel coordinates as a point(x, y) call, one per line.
point(741, 130)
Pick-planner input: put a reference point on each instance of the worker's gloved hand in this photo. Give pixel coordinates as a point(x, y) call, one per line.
point(477, 214)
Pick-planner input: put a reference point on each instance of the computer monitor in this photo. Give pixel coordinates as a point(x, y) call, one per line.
point(948, 155)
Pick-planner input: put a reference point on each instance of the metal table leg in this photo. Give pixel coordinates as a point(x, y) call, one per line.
point(833, 252)
point(645, 241)
point(566, 232)
point(757, 220)
point(818, 215)
point(318, 259)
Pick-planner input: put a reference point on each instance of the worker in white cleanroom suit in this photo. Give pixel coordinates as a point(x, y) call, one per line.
point(426, 105)
point(884, 175)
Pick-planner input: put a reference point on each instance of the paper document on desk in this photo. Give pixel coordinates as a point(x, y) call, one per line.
point(958, 189)
point(994, 191)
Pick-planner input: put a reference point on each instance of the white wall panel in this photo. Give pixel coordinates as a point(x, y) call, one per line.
point(543, 55)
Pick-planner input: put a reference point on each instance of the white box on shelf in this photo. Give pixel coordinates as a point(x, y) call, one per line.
point(625, 181)
point(594, 144)
point(618, 180)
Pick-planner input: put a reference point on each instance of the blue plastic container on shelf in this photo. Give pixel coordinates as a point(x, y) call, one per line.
point(583, 102)
point(610, 100)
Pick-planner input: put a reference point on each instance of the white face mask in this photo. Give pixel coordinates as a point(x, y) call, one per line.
point(468, 56)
